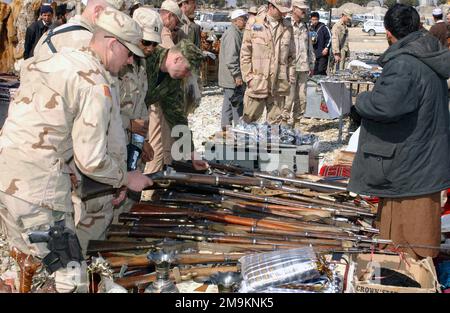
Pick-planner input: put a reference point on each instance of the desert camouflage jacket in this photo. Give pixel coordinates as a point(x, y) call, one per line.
point(63, 109)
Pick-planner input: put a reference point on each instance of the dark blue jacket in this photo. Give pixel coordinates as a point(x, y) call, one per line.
point(323, 39)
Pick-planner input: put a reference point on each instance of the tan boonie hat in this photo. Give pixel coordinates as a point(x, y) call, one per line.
point(122, 27)
point(285, 6)
point(116, 4)
point(150, 23)
point(172, 6)
point(348, 13)
point(301, 4)
point(192, 54)
point(253, 10)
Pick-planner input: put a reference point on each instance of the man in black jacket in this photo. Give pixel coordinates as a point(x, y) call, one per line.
point(321, 40)
point(403, 153)
point(37, 29)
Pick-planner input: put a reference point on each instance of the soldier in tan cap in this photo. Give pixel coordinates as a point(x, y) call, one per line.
point(253, 11)
point(268, 62)
point(77, 32)
point(63, 110)
point(339, 43)
point(190, 29)
point(134, 86)
point(172, 19)
point(165, 69)
point(304, 61)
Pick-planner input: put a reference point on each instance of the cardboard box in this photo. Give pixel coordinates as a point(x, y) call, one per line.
point(422, 271)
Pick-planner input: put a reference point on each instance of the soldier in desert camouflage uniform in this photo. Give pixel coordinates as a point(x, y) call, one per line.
point(94, 215)
point(339, 43)
point(65, 109)
point(268, 63)
point(133, 89)
point(190, 30)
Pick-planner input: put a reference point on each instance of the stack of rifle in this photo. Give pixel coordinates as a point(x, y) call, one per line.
point(230, 212)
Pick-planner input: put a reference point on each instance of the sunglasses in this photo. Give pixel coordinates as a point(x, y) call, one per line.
point(130, 53)
point(147, 43)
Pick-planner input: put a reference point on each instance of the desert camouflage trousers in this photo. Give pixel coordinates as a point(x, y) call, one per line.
point(19, 218)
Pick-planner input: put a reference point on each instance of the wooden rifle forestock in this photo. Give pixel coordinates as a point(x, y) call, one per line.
point(131, 282)
point(28, 266)
point(140, 261)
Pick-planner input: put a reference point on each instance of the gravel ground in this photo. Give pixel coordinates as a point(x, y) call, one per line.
point(205, 121)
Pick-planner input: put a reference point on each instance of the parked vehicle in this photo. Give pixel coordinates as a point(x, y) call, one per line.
point(358, 20)
point(214, 21)
point(374, 27)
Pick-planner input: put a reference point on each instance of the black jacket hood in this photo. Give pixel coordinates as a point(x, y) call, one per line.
point(423, 46)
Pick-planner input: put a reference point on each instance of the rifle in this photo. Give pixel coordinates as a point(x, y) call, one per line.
point(185, 274)
point(98, 246)
point(185, 258)
point(146, 232)
point(91, 189)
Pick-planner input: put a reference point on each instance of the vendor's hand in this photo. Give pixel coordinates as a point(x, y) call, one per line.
point(139, 127)
point(138, 181)
point(197, 163)
point(147, 152)
point(238, 81)
point(337, 57)
point(325, 52)
point(120, 196)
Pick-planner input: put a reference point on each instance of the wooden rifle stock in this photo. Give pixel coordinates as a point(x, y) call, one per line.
point(28, 266)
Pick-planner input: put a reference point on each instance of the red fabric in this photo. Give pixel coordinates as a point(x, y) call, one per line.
point(343, 171)
point(447, 204)
point(336, 170)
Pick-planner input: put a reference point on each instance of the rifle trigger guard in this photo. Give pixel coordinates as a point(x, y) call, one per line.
point(216, 180)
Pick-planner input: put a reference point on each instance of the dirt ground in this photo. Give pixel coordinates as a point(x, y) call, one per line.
point(362, 42)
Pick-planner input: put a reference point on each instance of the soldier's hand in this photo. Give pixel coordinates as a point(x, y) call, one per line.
point(138, 181)
point(139, 127)
point(120, 196)
point(337, 57)
point(238, 81)
point(147, 152)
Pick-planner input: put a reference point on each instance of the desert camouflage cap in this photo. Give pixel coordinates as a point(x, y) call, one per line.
point(150, 23)
point(172, 6)
point(253, 10)
point(285, 6)
point(122, 27)
point(192, 53)
point(348, 13)
point(301, 4)
point(116, 4)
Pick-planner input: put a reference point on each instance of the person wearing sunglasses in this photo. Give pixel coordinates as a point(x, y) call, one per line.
point(133, 88)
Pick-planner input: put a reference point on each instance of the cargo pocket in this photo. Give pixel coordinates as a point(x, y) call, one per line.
point(58, 185)
point(259, 85)
point(283, 81)
point(378, 158)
